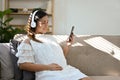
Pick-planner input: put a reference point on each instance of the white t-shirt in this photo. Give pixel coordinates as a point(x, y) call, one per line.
point(46, 53)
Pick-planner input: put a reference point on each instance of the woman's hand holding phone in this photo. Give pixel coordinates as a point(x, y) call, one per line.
point(69, 42)
point(71, 36)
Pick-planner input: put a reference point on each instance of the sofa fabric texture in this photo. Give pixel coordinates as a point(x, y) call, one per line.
point(95, 55)
point(98, 60)
point(7, 72)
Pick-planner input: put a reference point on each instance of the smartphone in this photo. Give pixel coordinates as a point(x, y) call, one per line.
point(71, 33)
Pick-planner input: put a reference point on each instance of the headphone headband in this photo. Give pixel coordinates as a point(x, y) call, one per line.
point(33, 23)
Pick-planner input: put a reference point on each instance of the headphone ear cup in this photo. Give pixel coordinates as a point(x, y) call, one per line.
point(33, 23)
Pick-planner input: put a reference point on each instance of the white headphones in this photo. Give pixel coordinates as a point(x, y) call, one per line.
point(33, 23)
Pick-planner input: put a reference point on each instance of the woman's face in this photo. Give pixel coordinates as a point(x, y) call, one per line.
point(42, 25)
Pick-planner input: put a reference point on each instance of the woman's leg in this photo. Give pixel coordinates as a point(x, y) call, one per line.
point(86, 78)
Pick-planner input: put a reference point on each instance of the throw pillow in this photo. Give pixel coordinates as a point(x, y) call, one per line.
point(14, 44)
point(27, 75)
point(19, 74)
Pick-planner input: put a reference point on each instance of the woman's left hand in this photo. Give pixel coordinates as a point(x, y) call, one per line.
point(70, 40)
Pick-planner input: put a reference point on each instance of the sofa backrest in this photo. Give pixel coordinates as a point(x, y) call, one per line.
point(94, 55)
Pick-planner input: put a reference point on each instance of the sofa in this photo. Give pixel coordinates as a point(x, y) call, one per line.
point(98, 56)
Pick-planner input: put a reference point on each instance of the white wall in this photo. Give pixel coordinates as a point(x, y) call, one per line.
point(88, 16)
point(60, 16)
point(1, 5)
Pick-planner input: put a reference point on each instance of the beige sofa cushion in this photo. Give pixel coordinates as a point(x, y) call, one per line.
point(92, 61)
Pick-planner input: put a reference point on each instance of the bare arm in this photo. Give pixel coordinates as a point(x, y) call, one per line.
point(39, 67)
point(65, 50)
point(67, 46)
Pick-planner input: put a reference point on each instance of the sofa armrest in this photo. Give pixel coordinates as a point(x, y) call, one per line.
point(6, 64)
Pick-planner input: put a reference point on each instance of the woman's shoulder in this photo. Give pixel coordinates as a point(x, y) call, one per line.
point(25, 44)
point(26, 41)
